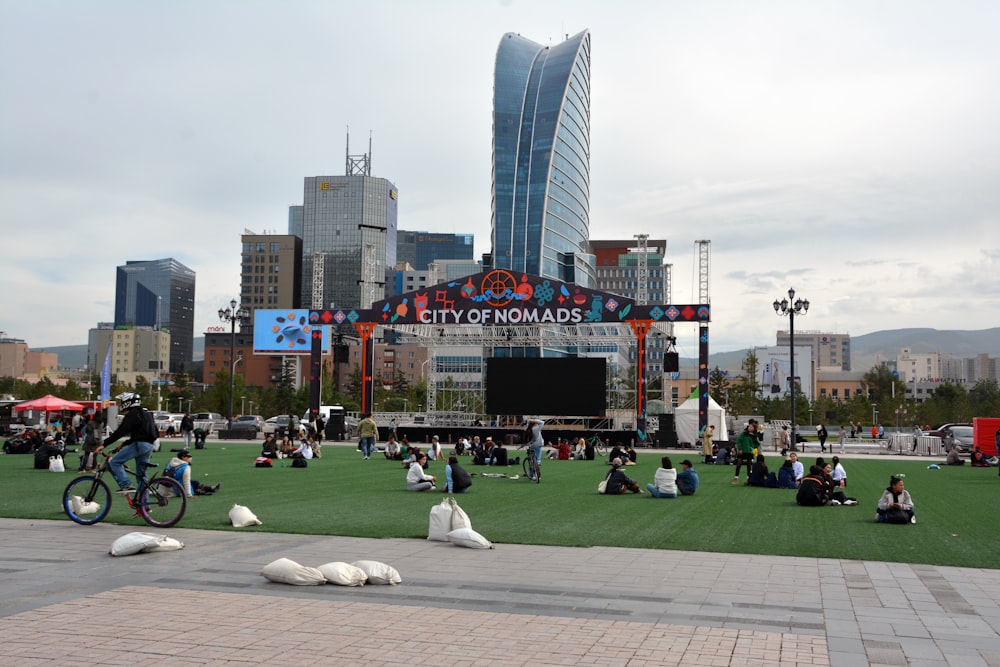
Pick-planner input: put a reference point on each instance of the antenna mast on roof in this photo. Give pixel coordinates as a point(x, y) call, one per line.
point(359, 165)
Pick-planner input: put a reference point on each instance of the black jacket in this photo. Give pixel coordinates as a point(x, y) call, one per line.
point(138, 425)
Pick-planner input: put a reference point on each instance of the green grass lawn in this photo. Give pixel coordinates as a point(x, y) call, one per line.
point(342, 495)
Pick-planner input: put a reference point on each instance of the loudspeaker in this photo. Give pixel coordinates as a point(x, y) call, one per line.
point(671, 362)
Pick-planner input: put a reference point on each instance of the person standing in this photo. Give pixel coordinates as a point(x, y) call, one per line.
point(842, 438)
point(707, 436)
point(367, 431)
point(786, 439)
point(745, 445)
point(139, 427)
point(533, 433)
point(187, 430)
point(91, 441)
point(822, 434)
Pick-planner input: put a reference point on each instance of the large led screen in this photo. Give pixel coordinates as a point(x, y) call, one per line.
point(563, 387)
point(285, 332)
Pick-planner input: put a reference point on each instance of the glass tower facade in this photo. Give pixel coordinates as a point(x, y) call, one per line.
point(139, 285)
point(351, 220)
point(541, 158)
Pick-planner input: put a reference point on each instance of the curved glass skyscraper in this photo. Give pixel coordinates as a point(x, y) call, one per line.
point(541, 158)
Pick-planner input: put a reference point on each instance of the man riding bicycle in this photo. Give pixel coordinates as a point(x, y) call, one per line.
point(140, 427)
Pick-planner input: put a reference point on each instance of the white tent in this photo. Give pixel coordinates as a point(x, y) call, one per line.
point(686, 421)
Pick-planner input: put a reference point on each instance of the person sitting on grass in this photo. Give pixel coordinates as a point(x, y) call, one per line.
point(687, 478)
point(457, 478)
point(179, 468)
point(392, 450)
point(895, 505)
point(270, 449)
point(954, 458)
point(618, 482)
point(416, 479)
point(617, 452)
point(664, 480)
point(979, 458)
point(813, 490)
point(786, 476)
point(760, 476)
point(303, 451)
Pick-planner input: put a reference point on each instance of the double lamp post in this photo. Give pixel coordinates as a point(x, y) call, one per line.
point(791, 307)
point(232, 315)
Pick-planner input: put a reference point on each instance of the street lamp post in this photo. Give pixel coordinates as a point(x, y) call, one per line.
point(232, 315)
point(791, 307)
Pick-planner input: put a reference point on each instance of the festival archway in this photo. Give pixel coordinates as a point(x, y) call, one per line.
point(499, 299)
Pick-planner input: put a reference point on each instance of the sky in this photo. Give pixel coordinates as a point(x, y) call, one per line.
point(847, 149)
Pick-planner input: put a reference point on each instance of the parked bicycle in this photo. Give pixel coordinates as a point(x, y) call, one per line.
point(160, 501)
point(532, 470)
point(599, 445)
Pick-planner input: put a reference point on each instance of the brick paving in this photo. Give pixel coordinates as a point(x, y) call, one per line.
point(65, 601)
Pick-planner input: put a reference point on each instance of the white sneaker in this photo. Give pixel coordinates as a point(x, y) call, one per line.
point(850, 502)
point(834, 502)
point(913, 519)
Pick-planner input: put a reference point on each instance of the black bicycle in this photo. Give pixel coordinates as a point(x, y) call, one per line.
point(532, 470)
point(160, 502)
point(599, 445)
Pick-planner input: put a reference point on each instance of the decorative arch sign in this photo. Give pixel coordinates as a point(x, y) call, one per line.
point(500, 297)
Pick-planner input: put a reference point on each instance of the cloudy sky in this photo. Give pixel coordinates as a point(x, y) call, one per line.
point(848, 149)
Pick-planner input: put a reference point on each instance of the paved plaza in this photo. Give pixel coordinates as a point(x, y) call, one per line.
point(65, 601)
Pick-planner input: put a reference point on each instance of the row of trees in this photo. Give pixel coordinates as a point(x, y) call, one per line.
point(883, 401)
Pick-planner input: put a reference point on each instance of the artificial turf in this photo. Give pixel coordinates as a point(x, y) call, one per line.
point(340, 494)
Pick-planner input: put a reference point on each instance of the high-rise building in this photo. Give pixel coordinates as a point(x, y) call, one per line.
point(159, 293)
point(271, 273)
point(829, 350)
point(419, 249)
point(136, 351)
point(541, 158)
point(351, 221)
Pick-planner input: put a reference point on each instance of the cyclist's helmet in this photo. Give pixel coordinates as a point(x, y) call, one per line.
point(128, 400)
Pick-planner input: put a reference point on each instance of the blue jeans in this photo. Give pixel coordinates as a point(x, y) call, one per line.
point(656, 493)
point(367, 445)
point(140, 451)
point(536, 451)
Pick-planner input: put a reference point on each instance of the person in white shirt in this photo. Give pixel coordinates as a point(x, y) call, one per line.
point(416, 479)
point(304, 451)
point(434, 450)
point(838, 473)
point(797, 466)
point(664, 480)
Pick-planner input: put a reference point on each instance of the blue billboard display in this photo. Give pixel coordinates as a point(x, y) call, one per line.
point(286, 332)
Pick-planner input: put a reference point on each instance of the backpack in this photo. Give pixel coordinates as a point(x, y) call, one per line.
point(149, 431)
point(176, 473)
point(300, 463)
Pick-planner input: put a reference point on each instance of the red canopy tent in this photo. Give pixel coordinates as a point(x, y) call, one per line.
point(49, 404)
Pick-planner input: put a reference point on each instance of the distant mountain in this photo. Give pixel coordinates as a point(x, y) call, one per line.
point(866, 350)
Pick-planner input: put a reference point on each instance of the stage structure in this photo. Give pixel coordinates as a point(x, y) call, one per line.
point(500, 308)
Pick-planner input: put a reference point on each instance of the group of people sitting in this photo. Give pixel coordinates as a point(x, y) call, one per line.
point(824, 485)
point(667, 482)
point(308, 448)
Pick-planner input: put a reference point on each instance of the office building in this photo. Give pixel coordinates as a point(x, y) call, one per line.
point(829, 351)
point(136, 351)
point(419, 249)
point(350, 221)
point(541, 158)
point(271, 272)
point(159, 294)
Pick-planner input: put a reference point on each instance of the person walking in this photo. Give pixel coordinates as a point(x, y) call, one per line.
point(842, 438)
point(822, 435)
point(367, 431)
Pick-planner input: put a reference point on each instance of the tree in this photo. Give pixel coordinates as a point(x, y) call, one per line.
point(984, 399)
point(718, 386)
point(744, 396)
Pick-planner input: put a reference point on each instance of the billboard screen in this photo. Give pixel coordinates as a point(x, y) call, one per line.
point(546, 386)
point(285, 332)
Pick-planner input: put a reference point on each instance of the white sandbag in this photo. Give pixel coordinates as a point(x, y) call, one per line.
point(164, 543)
point(81, 507)
point(446, 517)
point(378, 573)
point(241, 517)
point(466, 537)
point(287, 571)
point(132, 543)
point(343, 574)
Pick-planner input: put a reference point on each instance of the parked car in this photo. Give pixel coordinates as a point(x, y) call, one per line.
point(210, 421)
point(957, 434)
point(166, 424)
point(273, 425)
point(248, 422)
